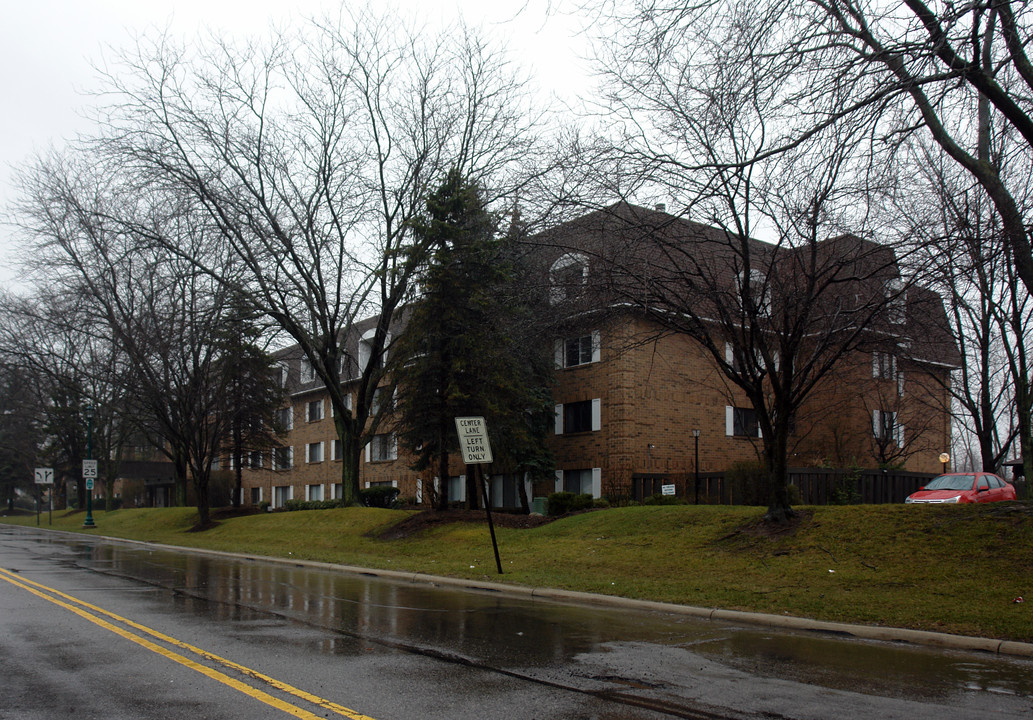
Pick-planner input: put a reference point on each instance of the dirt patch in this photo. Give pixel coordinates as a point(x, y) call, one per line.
point(421, 521)
point(230, 512)
point(765, 529)
point(198, 527)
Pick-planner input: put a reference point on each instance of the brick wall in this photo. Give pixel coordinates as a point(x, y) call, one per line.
point(652, 391)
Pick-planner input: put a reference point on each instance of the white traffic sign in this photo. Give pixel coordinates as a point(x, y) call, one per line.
point(44, 476)
point(89, 469)
point(473, 440)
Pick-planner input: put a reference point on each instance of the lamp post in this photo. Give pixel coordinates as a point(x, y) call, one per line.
point(695, 438)
point(944, 459)
point(88, 522)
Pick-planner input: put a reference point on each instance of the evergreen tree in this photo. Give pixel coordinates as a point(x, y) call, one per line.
point(253, 392)
point(462, 351)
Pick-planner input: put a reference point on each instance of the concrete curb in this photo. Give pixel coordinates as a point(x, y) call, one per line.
point(785, 622)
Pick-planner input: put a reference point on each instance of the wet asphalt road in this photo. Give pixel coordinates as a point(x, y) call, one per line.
point(96, 629)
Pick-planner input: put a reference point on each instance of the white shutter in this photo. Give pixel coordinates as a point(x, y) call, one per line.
point(369, 452)
point(597, 482)
point(729, 354)
point(559, 420)
point(597, 415)
point(900, 433)
point(597, 344)
point(462, 489)
point(876, 424)
point(900, 384)
point(559, 354)
point(729, 420)
point(875, 364)
point(559, 481)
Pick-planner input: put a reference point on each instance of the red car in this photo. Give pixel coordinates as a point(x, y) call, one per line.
point(973, 487)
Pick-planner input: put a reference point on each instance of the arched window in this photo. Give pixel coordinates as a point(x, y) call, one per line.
point(756, 288)
point(896, 301)
point(568, 277)
point(366, 349)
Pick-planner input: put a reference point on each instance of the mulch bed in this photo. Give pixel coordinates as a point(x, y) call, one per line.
point(426, 519)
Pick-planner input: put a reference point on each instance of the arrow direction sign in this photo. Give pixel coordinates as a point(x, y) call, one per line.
point(473, 440)
point(44, 476)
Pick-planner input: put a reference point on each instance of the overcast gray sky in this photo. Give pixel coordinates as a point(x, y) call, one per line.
point(48, 49)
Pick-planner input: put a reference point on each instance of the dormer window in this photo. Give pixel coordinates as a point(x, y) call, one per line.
point(568, 277)
point(896, 302)
point(308, 373)
point(756, 289)
point(366, 350)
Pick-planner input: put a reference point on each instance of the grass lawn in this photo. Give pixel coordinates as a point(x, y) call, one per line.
point(955, 569)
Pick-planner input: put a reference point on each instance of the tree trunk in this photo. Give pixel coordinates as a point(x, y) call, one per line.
point(525, 506)
point(350, 451)
point(203, 511)
point(779, 510)
point(238, 451)
point(443, 479)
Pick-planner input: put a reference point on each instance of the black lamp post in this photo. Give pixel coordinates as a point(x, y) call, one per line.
point(88, 522)
point(695, 437)
point(944, 459)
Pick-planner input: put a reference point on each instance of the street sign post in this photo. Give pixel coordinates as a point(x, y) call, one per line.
point(473, 443)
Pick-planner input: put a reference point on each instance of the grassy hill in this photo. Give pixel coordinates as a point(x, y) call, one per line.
point(955, 569)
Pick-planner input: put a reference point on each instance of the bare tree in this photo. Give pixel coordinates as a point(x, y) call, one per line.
point(708, 120)
point(311, 156)
point(160, 311)
point(67, 360)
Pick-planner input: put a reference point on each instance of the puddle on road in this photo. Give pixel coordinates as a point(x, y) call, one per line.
point(868, 666)
point(343, 614)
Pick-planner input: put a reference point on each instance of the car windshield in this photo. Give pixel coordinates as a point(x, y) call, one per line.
point(951, 482)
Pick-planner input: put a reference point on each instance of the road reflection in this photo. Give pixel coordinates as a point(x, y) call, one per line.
point(346, 614)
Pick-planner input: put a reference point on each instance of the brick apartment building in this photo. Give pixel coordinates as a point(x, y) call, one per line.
point(629, 398)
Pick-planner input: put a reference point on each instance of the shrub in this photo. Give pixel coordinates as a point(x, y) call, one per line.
point(664, 500)
point(312, 504)
point(380, 496)
point(562, 503)
point(748, 483)
point(264, 506)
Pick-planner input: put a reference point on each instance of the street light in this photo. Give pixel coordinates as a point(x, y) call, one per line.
point(944, 459)
point(695, 437)
point(88, 522)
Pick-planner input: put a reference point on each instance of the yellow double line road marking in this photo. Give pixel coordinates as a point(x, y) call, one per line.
point(92, 612)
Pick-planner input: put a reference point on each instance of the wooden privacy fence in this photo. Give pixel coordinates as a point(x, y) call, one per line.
point(867, 487)
point(814, 486)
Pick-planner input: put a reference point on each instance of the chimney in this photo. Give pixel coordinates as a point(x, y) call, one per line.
point(661, 207)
